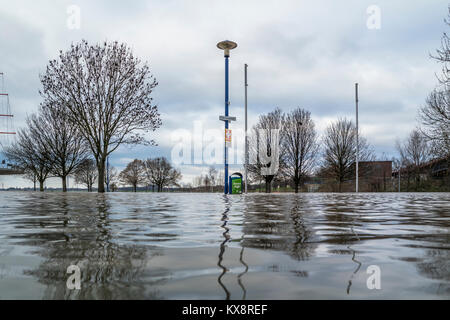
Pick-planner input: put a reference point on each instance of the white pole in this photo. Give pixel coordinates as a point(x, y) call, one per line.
point(246, 138)
point(357, 140)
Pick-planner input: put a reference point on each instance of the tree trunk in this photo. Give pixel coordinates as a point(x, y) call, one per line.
point(135, 188)
point(41, 185)
point(296, 186)
point(101, 175)
point(64, 184)
point(268, 189)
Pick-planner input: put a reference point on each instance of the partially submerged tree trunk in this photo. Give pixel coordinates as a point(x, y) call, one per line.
point(268, 181)
point(101, 175)
point(297, 186)
point(64, 184)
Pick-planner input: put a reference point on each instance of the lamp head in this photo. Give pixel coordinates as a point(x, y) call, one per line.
point(227, 45)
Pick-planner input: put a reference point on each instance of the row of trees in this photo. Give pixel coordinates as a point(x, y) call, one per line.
point(95, 98)
point(299, 148)
point(435, 114)
point(301, 152)
point(151, 172)
point(432, 137)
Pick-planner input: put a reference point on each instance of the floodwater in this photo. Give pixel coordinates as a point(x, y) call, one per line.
point(209, 246)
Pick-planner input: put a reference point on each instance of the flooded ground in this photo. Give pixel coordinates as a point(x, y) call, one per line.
point(208, 246)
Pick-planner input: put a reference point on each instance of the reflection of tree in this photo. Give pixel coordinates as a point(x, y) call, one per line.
point(84, 238)
point(272, 223)
point(436, 266)
point(108, 271)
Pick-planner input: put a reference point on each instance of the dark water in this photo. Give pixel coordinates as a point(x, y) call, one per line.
point(207, 246)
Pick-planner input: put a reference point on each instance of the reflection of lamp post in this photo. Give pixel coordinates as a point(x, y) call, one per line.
point(226, 46)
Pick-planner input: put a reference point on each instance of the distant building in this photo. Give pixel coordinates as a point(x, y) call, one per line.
point(435, 168)
point(375, 176)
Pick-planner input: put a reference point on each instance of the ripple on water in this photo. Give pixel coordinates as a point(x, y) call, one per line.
point(149, 245)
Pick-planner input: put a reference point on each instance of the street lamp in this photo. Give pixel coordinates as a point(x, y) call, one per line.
point(226, 46)
point(357, 140)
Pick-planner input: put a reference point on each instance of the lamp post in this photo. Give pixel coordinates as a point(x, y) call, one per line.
point(246, 138)
point(226, 46)
point(357, 140)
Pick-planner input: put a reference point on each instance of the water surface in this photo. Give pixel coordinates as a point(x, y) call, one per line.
point(209, 246)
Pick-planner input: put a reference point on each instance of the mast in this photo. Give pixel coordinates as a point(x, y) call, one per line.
point(5, 112)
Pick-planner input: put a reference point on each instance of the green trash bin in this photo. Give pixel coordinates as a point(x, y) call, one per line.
point(236, 183)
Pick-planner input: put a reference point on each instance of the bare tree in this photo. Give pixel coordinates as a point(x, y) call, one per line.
point(29, 175)
point(207, 182)
point(413, 154)
point(86, 174)
point(340, 151)
point(66, 148)
point(264, 148)
point(160, 173)
point(198, 181)
point(435, 116)
point(30, 155)
point(113, 187)
point(443, 54)
point(106, 92)
point(212, 175)
point(133, 174)
point(299, 141)
point(113, 176)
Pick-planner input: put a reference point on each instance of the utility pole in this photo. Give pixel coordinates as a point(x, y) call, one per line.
point(246, 137)
point(357, 140)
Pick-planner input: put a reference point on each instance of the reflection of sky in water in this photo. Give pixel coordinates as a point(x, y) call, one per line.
point(207, 246)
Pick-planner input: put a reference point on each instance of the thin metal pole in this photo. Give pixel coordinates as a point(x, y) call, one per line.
point(226, 123)
point(357, 140)
point(246, 138)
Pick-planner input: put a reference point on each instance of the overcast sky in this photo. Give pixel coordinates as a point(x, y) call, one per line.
point(300, 53)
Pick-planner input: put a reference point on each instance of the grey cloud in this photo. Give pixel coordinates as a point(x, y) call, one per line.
point(306, 54)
